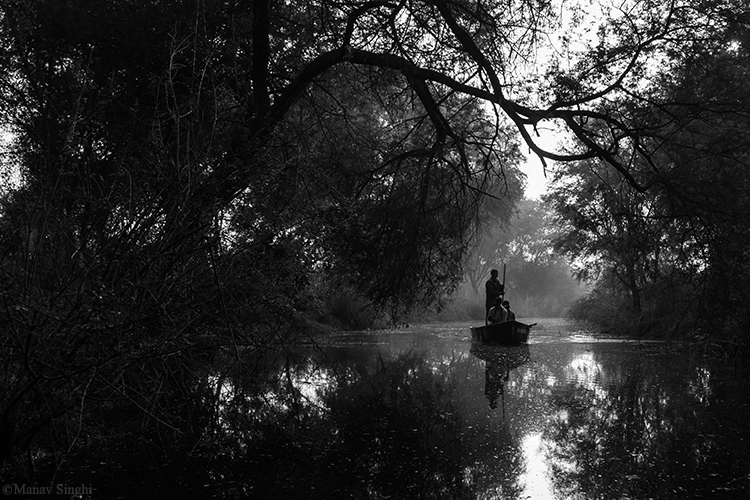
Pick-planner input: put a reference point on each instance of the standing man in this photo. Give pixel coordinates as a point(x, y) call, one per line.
point(493, 289)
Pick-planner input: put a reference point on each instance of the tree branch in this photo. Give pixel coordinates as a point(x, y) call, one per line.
point(261, 55)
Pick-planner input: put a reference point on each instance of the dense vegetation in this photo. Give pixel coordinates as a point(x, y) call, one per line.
point(668, 245)
point(188, 184)
point(538, 280)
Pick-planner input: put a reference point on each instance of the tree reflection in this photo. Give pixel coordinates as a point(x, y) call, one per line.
point(638, 438)
point(594, 421)
point(372, 427)
point(354, 424)
point(499, 361)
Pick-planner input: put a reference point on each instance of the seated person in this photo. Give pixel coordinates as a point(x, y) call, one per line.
point(511, 314)
point(497, 313)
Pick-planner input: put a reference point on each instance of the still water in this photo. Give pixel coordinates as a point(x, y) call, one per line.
point(422, 412)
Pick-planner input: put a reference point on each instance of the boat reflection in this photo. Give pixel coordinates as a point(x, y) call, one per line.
point(403, 415)
point(499, 362)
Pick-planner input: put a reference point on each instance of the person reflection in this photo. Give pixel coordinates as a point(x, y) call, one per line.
point(495, 376)
point(499, 361)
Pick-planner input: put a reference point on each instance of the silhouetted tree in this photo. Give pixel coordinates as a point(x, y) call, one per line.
point(188, 170)
point(674, 240)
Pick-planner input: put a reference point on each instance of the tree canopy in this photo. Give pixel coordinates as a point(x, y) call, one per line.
point(192, 178)
point(154, 126)
point(538, 281)
point(678, 250)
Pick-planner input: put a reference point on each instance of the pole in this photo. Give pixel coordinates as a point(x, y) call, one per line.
point(503, 279)
point(503, 386)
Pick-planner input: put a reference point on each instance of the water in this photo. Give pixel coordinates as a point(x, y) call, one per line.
point(422, 412)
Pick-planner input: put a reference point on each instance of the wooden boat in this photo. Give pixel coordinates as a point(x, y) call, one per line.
point(507, 332)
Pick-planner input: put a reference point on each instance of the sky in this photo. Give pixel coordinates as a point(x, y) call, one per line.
point(536, 182)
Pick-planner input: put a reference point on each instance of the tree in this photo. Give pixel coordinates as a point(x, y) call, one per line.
point(541, 277)
point(212, 117)
point(538, 281)
point(619, 238)
point(705, 175)
point(182, 160)
point(490, 250)
point(671, 246)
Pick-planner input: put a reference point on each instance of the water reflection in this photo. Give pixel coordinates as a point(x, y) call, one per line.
point(423, 415)
point(499, 361)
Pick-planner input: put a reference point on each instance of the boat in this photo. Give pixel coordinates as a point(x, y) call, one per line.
point(507, 332)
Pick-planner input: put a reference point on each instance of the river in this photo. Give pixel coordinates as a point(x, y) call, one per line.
point(422, 412)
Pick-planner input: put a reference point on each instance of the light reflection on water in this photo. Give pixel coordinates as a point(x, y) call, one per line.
point(536, 477)
point(422, 412)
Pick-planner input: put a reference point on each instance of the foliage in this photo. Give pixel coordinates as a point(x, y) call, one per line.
point(538, 280)
point(188, 174)
point(674, 240)
point(622, 240)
